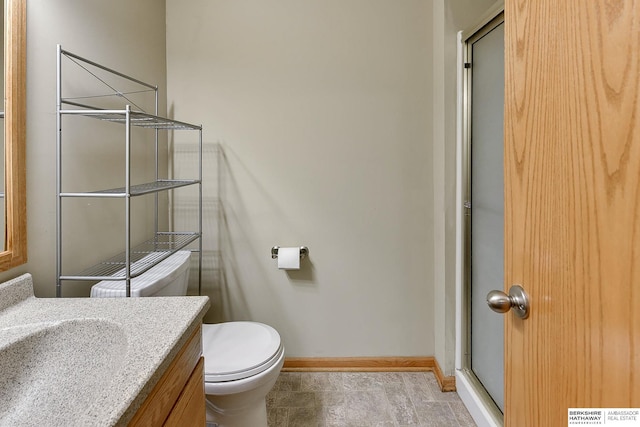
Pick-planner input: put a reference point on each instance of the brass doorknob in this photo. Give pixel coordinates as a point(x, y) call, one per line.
point(517, 299)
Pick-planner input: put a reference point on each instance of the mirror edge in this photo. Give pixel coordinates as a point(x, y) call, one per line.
point(15, 252)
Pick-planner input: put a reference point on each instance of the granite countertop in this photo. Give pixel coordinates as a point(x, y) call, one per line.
point(128, 342)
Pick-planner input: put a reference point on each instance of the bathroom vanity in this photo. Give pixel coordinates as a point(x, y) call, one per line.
point(99, 361)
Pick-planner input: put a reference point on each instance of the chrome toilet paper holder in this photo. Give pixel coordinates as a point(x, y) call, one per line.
point(304, 251)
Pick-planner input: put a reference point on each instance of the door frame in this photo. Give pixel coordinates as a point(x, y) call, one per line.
point(474, 396)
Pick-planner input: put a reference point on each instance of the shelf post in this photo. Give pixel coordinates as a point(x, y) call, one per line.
point(59, 173)
point(127, 243)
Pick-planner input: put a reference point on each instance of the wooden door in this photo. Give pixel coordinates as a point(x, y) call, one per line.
point(572, 206)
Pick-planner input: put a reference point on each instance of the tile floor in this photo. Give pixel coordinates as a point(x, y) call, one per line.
point(363, 399)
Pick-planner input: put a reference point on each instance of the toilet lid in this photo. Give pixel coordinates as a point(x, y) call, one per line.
point(236, 350)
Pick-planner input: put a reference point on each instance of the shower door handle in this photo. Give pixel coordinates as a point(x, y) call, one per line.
point(517, 299)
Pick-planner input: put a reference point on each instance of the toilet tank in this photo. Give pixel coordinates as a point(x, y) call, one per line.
point(168, 278)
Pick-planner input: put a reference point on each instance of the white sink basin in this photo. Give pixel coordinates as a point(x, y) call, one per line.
point(53, 369)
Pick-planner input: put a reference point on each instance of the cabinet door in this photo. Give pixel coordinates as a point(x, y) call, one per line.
point(189, 410)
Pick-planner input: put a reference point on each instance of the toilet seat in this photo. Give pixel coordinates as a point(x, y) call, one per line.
point(238, 350)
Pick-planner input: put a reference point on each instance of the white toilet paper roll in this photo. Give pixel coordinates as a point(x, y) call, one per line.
point(289, 258)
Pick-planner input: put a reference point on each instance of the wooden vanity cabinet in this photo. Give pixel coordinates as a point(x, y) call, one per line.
point(178, 397)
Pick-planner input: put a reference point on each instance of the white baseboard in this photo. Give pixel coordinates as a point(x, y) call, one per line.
point(475, 405)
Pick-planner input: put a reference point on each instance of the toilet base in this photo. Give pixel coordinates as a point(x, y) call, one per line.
point(254, 415)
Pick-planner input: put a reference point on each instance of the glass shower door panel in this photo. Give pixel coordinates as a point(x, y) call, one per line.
point(487, 210)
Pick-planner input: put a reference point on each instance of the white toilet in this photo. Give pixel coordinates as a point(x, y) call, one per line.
point(242, 360)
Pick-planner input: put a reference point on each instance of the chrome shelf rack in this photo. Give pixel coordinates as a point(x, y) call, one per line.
point(134, 260)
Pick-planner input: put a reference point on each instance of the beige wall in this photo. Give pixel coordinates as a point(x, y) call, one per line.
point(323, 113)
point(336, 122)
point(125, 35)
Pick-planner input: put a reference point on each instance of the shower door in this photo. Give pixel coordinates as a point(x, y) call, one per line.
point(484, 207)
